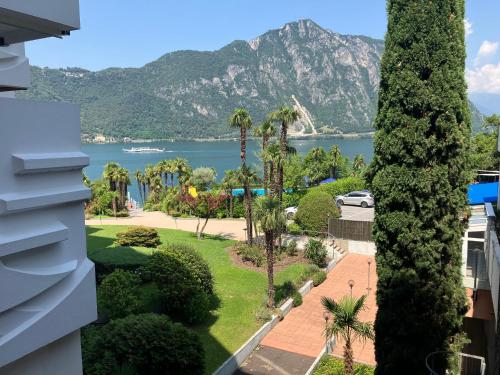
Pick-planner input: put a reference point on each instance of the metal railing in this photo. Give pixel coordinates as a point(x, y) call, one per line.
point(449, 363)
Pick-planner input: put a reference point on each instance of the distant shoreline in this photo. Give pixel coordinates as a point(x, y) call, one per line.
point(361, 135)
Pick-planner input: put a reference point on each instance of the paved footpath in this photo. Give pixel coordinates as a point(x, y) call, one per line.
point(300, 334)
point(229, 228)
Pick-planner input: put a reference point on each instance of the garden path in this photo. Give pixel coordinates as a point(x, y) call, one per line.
point(301, 331)
point(228, 228)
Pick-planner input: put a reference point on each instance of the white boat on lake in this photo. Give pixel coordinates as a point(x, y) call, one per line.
point(143, 150)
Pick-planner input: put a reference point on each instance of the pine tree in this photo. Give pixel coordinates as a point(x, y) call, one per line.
point(419, 178)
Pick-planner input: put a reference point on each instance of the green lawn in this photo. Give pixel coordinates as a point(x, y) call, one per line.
point(240, 291)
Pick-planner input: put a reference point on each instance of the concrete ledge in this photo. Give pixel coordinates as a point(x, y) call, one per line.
point(286, 307)
point(306, 288)
point(49, 162)
point(237, 359)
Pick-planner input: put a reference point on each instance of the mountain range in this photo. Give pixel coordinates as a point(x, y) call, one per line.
point(332, 79)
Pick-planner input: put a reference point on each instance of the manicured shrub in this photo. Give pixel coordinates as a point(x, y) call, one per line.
point(142, 344)
point(196, 264)
point(318, 278)
point(253, 254)
point(291, 248)
point(182, 281)
point(139, 236)
point(342, 186)
point(122, 213)
point(297, 299)
point(335, 366)
point(313, 212)
point(118, 294)
point(316, 252)
point(294, 228)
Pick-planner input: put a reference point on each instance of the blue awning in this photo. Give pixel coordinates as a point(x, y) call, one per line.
point(328, 180)
point(482, 193)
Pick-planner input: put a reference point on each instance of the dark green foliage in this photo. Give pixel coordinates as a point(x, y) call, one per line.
point(316, 252)
point(419, 179)
point(139, 236)
point(184, 281)
point(292, 199)
point(484, 153)
point(284, 291)
point(313, 212)
point(142, 344)
point(253, 254)
point(318, 278)
point(118, 294)
point(297, 299)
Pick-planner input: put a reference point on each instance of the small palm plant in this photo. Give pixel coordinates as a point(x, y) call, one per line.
point(346, 325)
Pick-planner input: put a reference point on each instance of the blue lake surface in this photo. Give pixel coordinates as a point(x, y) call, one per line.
point(221, 155)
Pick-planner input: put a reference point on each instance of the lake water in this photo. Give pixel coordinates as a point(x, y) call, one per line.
point(221, 155)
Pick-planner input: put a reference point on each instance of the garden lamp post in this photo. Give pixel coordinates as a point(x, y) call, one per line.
point(326, 316)
point(369, 267)
point(351, 284)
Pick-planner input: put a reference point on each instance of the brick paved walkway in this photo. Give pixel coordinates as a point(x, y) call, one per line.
point(301, 331)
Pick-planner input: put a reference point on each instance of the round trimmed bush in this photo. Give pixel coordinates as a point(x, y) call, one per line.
point(139, 236)
point(318, 278)
point(196, 264)
point(313, 212)
point(118, 294)
point(142, 344)
point(184, 281)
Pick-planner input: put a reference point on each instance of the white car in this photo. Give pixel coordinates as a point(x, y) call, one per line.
point(290, 212)
point(356, 198)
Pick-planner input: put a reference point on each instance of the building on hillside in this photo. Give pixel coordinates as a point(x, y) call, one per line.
point(47, 284)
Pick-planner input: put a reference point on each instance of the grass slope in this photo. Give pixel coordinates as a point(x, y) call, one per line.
point(240, 291)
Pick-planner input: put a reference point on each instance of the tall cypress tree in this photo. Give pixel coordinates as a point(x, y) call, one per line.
point(419, 178)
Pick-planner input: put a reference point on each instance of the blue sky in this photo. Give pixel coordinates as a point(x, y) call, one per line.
point(131, 33)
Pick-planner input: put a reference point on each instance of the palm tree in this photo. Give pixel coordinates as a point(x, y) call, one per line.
point(242, 120)
point(358, 164)
point(316, 162)
point(266, 130)
point(110, 174)
point(346, 325)
point(163, 166)
point(286, 116)
point(273, 159)
point(230, 182)
point(123, 180)
point(139, 177)
point(270, 216)
point(335, 158)
point(181, 166)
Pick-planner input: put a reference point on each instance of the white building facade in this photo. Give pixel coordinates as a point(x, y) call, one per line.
point(47, 284)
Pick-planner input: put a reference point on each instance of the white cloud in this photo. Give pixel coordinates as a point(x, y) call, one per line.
point(485, 79)
point(468, 27)
point(486, 50)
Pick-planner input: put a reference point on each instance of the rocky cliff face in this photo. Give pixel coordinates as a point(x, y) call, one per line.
point(190, 94)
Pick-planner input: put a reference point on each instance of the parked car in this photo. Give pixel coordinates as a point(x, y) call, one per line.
point(290, 212)
point(356, 198)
